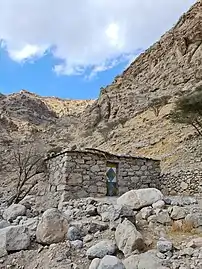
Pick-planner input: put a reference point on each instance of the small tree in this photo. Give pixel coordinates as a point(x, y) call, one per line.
point(156, 104)
point(27, 163)
point(188, 110)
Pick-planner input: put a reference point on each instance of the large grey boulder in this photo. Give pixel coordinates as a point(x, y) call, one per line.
point(140, 198)
point(147, 260)
point(110, 262)
point(128, 238)
point(14, 238)
point(52, 228)
point(101, 249)
point(13, 211)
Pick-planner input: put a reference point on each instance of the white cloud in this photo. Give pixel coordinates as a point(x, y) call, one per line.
point(27, 52)
point(90, 33)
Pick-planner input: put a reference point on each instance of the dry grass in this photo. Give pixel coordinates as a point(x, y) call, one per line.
point(182, 227)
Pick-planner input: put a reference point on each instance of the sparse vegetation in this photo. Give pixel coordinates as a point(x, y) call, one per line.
point(156, 104)
point(182, 227)
point(188, 110)
point(26, 163)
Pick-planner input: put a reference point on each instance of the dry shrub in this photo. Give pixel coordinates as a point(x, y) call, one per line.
point(182, 227)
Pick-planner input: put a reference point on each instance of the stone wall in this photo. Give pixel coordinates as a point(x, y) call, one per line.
point(83, 174)
point(183, 182)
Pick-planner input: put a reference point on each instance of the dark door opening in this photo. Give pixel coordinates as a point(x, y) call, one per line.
point(112, 174)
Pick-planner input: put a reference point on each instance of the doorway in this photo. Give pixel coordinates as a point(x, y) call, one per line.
point(111, 177)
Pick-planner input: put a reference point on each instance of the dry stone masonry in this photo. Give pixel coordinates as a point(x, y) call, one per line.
point(84, 173)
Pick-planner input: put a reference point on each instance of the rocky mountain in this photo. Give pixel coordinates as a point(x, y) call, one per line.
point(122, 118)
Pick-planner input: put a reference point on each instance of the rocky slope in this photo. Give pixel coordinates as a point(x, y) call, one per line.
point(154, 232)
point(121, 119)
point(123, 114)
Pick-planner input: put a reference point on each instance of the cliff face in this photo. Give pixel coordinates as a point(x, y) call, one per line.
point(171, 66)
point(122, 120)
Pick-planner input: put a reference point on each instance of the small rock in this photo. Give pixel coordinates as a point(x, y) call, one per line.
point(4, 224)
point(3, 252)
point(13, 211)
point(110, 262)
point(94, 264)
point(73, 234)
point(158, 204)
point(164, 245)
point(105, 247)
point(88, 238)
point(77, 244)
point(163, 217)
point(177, 213)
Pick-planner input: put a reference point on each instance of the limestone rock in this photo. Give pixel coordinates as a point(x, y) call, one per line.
point(4, 224)
point(147, 260)
point(95, 263)
point(14, 238)
point(195, 219)
point(158, 204)
point(128, 238)
point(110, 262)
point(13, 211)
point(140, 198)
point(52, 228)
point(177, 213)
point(105, 247)
point(3, 252)
point(164, 245)
point(77, 244)
point(163, 217)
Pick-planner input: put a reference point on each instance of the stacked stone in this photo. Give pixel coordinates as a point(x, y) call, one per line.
point(82, 174)
point(183, 182)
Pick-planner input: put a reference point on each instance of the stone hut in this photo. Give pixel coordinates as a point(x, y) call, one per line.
point(92, 172)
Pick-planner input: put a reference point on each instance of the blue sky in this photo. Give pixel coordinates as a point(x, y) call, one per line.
point(38, 77)
point(71, 49)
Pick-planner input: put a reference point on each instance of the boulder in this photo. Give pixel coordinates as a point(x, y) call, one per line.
point(14, 238)
point(146, 212)
point(31, 224)
point(195, 243)
point(158, 204)
point(114, 212)
point(110, 262)
point(95, 263)
point(77, 244)
point(195, 219)
point(52, 228)
point(140, 198)
point(3, 252)
point(13, 211)
point(4, 224)
point(177, 212)
point(73, 234)
point(105, 247)
point(147, 260)
point(128, 238)
point(163, 217)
